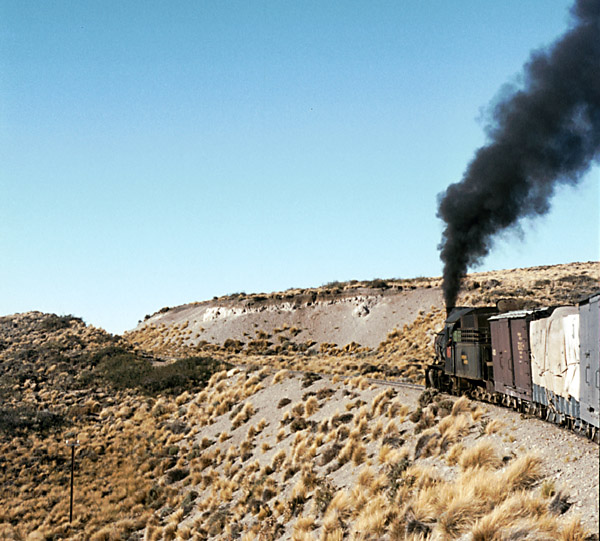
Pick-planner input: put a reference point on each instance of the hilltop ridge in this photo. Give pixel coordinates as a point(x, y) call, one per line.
point(343, 313)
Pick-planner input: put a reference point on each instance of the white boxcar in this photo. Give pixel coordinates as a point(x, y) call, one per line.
point(589, 354)
point(555, 362)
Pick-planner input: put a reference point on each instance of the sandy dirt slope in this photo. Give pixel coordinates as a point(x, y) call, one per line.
point(365, 318)
point(569, 462)
point(352, 312)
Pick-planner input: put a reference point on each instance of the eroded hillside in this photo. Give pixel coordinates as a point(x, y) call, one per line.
point(184, 439)
point(382, 328)
point(257, 455)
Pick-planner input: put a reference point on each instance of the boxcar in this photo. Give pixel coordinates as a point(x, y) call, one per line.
point(555, 370)
point(589, 354)
point(511, 353)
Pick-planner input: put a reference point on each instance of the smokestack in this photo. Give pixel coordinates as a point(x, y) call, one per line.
point(544, 134)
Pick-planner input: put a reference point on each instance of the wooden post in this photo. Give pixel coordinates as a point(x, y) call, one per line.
point(72, 444)
point(72, 475)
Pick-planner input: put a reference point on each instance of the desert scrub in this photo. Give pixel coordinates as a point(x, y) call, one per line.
point(298, 409)
point(26, 419)
point(452, 428)
point(462, 405)
point(493, 426)
point(482, 455)
point(454, 454)
point(373, 482)
point(311, 406)
point(427, 420)
point(252, 431)
point(244, 415)
point(309, 378)
point(281, 375)
point(397, 410)
point(523, 472)
point(125, 369)
point(380, 402)
point(372, 521)
point(377, 430)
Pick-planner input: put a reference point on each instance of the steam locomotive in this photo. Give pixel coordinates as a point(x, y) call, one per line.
point(543, 362)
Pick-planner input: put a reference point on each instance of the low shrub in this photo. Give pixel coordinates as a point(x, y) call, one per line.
point(330, 453)
point(310, 378)
point(55, 323)
point(283, 402)
point(177, 474)
point(125, 369)
point(298, 424)
point(17, 420)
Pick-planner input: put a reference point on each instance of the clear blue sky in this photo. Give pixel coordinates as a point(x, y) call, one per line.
point(154, 153)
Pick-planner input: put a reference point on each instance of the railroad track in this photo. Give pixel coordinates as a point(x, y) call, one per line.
point(404, 384)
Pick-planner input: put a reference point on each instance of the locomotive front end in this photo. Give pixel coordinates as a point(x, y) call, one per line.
point(463, 351)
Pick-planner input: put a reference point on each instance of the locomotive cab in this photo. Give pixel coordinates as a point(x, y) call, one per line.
point(463, 347)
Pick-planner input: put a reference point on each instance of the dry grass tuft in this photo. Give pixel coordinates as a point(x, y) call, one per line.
point(452, 428)
point(516, 509)
point(280, 376)
point(482, 455)
point(311, 406)
point(494, 426)
point(243, 416)
point(462, 405)
point(523, 472)
point(574, 531)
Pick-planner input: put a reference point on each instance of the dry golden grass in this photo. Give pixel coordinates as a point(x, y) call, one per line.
point(523, 472)
point(462, 405)
point(481, 455)
point(454, 453)
point(280, 376)
point(494, 426)
point(149, 455)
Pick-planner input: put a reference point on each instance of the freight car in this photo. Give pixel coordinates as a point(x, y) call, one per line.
point(589, 356)
point(543, 362)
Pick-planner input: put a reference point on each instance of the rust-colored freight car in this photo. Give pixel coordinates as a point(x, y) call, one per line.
point(511, 352)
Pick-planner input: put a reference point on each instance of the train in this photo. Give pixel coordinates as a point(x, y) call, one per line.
point(543, 362)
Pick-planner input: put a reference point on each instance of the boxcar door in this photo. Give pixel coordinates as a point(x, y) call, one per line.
point(501, 354)
point(589, 329)
point(521, 357)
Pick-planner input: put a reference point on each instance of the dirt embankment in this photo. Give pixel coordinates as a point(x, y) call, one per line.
point(348, 313)
point(366, 317)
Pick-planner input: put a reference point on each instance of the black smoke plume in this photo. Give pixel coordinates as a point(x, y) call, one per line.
point(543, 134)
